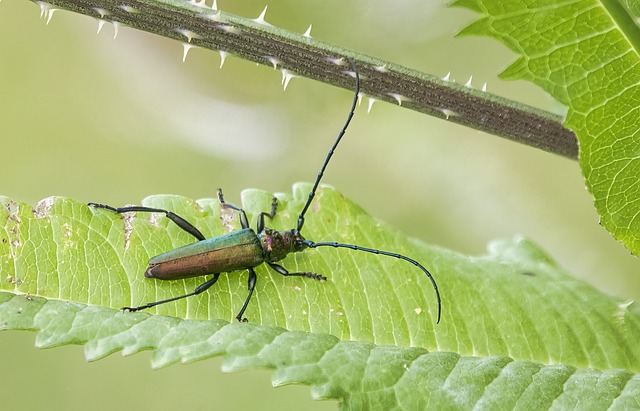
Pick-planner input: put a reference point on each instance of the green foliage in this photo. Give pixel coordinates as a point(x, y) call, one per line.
point(586, 55)
point(360, 374)
point(516, 330)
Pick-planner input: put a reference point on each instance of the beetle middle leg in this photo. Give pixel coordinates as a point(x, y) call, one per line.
point(251, 286)
point(179, 221)
point(274, 207)
point(244, 221)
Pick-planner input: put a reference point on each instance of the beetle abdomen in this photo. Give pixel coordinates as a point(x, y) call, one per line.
point(230, 252)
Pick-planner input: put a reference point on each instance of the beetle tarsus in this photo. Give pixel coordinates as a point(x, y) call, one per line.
point(283, 271)
point(315, 276)
point(132, 309)
point(104, 206)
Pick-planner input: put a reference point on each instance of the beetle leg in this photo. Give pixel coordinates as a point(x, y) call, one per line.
point(199, 289)
point(244, 221)
point(179, 221)
point(274, 207)
point(281, 270)
point(251, 286)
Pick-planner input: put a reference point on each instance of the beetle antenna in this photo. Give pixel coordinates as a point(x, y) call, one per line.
point(311, 244)
point(326, 160)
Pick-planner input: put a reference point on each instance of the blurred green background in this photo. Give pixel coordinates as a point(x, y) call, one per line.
point(112, 121)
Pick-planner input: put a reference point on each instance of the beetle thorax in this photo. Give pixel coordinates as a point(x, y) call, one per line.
point(277, 244)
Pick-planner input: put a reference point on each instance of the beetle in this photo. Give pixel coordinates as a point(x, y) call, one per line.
point(246, 249)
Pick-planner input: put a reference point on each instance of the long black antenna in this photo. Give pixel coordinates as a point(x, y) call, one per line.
point(311, 244)
point(326, 160)
point(312, 194)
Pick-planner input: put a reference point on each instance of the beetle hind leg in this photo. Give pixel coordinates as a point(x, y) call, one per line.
point(199, 289)
point(179, 221)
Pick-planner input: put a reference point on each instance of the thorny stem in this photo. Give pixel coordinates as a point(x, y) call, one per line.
point(264, 44)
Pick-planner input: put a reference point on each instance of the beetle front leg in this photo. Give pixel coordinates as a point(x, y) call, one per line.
point(281, 270)
point(251, 287)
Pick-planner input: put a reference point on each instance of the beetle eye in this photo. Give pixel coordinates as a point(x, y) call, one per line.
point(300, 244)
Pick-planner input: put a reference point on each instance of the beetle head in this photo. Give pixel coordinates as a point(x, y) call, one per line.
point(299, 243)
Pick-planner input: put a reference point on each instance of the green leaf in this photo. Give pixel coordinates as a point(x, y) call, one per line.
point(585, 54)
point(516, 330)
point(362, 375)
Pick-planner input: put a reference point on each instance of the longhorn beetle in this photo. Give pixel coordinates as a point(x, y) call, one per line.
point(244, 249)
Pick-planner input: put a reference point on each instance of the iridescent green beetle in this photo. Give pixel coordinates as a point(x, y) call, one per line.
point(245, 249)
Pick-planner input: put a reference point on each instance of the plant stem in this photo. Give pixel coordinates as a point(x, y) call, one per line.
point(304, 56)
